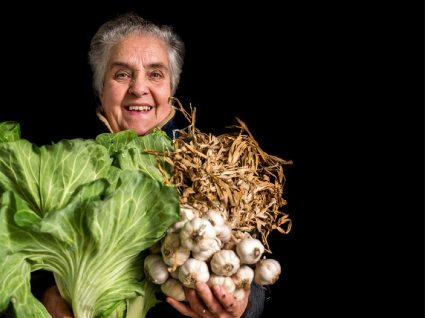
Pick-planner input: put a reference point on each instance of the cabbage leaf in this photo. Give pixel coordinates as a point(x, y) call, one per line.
point(84, 210)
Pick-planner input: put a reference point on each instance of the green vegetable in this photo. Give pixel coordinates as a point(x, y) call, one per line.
point(85, 210)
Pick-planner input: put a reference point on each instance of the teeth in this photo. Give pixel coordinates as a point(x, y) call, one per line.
point(140, 108)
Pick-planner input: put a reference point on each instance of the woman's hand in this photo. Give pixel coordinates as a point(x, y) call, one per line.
point(55, 304)
point(206, 302)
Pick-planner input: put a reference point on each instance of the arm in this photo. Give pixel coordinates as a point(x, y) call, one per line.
point(55, 304)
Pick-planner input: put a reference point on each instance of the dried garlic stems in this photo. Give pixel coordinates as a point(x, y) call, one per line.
point(231, 174)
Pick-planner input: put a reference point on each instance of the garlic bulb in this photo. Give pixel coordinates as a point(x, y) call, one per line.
point(249, 250)
point(223, 232)
point(223, 281)
point(173, 288)
point(214, 217)
point(176, 227)
point(225, 263)
point(195, 234)
point(172, 253)
point(267, 271)
point(205, 255)
point(243, 277)
point(155, 269)
point(203, 247)
point(187, 212)
point(193, 271)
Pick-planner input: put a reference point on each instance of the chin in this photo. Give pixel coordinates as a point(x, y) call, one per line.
point(141, 132)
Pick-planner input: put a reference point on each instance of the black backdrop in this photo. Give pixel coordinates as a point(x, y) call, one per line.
point(292, 73)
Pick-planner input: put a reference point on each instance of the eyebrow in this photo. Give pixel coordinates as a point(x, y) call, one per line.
point(149, 66)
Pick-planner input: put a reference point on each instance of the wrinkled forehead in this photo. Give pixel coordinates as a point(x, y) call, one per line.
point(140, 50)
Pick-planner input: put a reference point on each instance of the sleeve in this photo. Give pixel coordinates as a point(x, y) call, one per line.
point(256, 302)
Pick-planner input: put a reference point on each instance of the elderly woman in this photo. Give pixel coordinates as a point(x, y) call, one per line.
point(136, 69)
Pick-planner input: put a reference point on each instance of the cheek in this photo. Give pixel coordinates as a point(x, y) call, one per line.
point(163, 92)
point(111, 97)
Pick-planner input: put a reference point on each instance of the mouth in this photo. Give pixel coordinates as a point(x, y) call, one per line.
point(139, 108)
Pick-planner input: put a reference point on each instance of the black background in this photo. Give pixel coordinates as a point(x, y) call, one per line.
point(314, 83)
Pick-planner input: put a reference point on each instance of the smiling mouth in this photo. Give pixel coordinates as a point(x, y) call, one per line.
point(139, 108)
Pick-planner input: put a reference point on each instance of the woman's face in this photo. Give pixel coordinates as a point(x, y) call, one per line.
point(137, 84)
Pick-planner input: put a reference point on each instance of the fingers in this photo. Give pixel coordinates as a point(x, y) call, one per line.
point(181, 307)
point(227, 300)
point(205, 302)
point(204, 292)
point(194, 307)
point(201, 299)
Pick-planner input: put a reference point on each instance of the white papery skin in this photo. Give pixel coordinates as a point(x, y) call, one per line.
point(224, 281)
point(173, 288)
point(172, 252)
point(193, 271)
point(249, 250)
point(225, 263)
point(195, 234)
point(243, 277)
point(267, 271)
point(155, 269)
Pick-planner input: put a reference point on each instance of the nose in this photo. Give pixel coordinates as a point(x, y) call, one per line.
point(138, 86)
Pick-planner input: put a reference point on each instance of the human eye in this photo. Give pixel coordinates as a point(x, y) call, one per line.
point(156, 75)
point(122, 75)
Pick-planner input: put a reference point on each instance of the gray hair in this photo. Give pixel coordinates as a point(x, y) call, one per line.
point(111, 32)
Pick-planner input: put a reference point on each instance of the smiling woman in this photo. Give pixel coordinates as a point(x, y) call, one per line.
point(136, 69)
point(137, 85)
point(135, 73)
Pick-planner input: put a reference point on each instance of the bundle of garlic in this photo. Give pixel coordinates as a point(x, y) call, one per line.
point(205, 248)
point(230, 191)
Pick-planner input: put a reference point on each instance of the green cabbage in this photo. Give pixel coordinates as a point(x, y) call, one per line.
point(84, 210)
